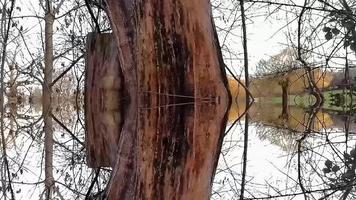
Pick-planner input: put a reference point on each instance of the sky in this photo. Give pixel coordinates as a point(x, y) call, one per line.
point(266, 37)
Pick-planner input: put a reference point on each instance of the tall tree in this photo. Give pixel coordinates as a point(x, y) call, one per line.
point(279, 66)
point(5, 25)
point(46, 99)
point(169, 54)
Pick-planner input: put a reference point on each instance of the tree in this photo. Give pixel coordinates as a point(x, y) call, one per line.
point(279, 66)
point(168, 48)
point(47, 100)
point(303, 26)
point(5, 25)
point(341, 21)
point(45, 57)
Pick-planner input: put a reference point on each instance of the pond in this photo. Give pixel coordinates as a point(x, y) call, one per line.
point(309, 153)
point(296, 158)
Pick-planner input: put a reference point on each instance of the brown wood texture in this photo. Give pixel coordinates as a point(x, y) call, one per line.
point(177, 100)
point(103, 100)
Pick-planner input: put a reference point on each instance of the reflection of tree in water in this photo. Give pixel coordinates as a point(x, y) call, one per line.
point(280, 131)
point(308, 136)
point(24, 144)
point(24, 141)
point(327, 168)
point(307, 147)
point(341, 174)
point(284, 138)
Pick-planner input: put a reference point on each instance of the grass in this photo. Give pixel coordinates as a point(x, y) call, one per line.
point(307, 100)
point(303, 101)
point(270, 100)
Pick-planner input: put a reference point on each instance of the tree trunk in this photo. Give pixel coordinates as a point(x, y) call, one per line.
point(104, 100)
point(285, 107)
point(47, 104)
point(178, 99)
point(5, 31)
point(13, 85)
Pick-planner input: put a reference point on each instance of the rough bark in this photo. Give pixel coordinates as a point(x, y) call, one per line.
point(126, 162)
point(47, 105)
point(178, 99)
point(104, 100)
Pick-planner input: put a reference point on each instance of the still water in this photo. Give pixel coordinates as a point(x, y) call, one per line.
point(307, 154)
point(286, 159)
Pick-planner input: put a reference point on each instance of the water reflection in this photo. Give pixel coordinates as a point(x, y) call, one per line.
point(308, 153)
point(313, 149)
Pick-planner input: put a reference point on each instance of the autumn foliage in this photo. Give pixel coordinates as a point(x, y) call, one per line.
point(298, 82)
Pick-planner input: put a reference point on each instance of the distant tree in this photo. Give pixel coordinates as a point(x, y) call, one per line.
point(280, 64)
